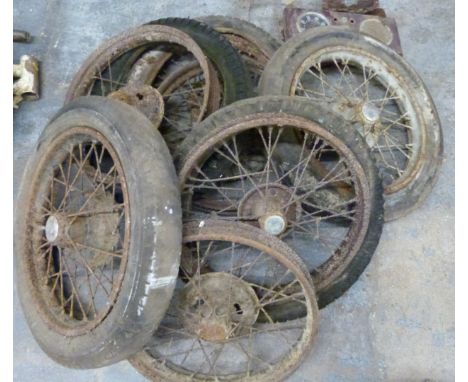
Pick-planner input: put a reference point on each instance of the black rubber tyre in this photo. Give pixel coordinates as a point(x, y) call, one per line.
point(255, 45)
point(266, 107)
point(277, 79)
point(154, 244)
point(226, 59)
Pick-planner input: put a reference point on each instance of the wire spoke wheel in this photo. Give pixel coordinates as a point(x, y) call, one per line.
point(147, 56)
point(285, 174)
point(97, 233)
point(365, 92)
point(80, 229)
point(219, 324)
point(378, 93)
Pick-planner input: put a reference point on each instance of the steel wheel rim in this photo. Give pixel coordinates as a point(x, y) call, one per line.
point(327, 271)
point(65, 294)
point(203, 243)
point(383, 75)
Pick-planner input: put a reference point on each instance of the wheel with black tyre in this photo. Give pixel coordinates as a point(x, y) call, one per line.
point(229, 65)
point(295, 169)
point(218, 326)
point(255, 46)
point(379, 93)
point(97, 233)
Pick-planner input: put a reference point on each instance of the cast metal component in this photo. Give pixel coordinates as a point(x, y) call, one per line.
point(25, 80)
point(218, 306)
point(220, 322)
point(266, 204)
point(145, 98)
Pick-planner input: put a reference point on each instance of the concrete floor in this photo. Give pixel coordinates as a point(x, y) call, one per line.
point(397, 322)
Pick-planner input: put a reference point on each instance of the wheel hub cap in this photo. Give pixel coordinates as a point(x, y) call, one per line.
point(370, 112)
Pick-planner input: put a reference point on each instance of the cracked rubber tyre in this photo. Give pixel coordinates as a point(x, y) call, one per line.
point(97, 234)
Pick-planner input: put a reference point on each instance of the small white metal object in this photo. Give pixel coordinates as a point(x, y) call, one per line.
point(52, 228)
point(370, 112)
point(274, 224)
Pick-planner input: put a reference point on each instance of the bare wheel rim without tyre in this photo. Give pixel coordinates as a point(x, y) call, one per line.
point(377, 92)
point(218, 326)
point(314, 188)
point(109, 69)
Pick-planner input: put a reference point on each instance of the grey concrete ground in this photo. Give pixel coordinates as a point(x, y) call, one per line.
point(397, 322)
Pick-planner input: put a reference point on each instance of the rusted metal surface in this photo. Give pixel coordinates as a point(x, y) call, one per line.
point(145, 98)
point(79, 246)
point(231, 175)
point(380, 27)
point(232, 309)
point(25, 80)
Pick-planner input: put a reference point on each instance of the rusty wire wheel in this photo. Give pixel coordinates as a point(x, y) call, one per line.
point(80, 212)
point(255, 45)
point(109, 69)
point(296, 170)
point(375, 90)
point(218, 326)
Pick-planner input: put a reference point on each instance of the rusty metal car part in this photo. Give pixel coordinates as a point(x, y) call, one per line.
point(181, 84)
point(93, 275)
point(25, 80)
point(384, 29)
point(96, 73)
point(222, 316)
point(73, 246)
point(378, 92)
point(145, 98)
point(252, 163)
point(255, 45)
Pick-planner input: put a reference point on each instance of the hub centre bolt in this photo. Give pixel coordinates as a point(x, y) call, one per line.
point(274, 224)
point(52, 228)
point(370, 112)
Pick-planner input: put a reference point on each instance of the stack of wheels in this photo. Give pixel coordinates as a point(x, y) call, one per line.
point(284, 195)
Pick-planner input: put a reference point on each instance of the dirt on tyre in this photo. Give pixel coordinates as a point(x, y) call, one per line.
point(378, 93)
point(232, 72)
point(97, 233)
point(219, 326)
point(295, 169)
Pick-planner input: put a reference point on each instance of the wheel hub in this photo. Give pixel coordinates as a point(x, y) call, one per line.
point(271, 206)
point(370, 112)
point(52, 228)
point(217, 306)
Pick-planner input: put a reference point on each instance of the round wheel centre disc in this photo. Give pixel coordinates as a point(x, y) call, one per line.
point(217, 306)
point(272, 206)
